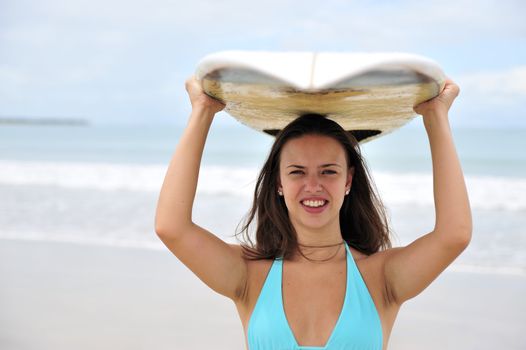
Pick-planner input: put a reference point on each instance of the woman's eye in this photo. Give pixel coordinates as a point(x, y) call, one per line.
point(324, 172)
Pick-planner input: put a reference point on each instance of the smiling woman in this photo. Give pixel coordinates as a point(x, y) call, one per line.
point(317, 194)
point(311, 169)
point(294, 287)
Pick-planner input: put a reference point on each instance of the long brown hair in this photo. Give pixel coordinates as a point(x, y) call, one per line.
point(363, 221)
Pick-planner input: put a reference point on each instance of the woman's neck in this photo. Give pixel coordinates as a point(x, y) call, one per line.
point(321, 245)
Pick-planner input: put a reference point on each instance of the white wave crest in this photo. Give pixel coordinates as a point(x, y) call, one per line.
point(485, 192)
point(115, 177)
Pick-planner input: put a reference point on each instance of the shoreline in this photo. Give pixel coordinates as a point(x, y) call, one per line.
point(59, 295)
point(43, 121)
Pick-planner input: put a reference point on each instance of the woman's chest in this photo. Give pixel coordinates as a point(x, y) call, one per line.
point(313, 300)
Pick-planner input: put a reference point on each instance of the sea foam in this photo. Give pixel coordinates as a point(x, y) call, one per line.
point(485, 192)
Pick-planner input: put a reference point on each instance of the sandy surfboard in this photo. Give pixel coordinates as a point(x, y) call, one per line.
point(368, 94)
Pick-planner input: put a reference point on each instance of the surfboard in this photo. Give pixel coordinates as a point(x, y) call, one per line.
point(368, 94)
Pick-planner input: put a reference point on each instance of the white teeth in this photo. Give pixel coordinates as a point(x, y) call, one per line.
point(313, 204)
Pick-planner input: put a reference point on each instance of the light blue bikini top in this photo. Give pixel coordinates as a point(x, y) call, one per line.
point(358, 326)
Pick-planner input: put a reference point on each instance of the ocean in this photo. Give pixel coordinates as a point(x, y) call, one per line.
point(98, 184)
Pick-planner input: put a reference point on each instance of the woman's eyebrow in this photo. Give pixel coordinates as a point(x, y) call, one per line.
point(321, 166)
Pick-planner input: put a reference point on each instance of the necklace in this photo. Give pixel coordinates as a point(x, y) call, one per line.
point(321, 246)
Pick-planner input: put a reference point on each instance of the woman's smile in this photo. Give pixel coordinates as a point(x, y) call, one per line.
point(314, 205)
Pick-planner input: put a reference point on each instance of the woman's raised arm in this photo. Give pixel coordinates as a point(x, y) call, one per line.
point(409, 270)
point(216, 263)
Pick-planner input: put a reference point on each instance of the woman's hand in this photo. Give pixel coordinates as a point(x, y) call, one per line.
point(199, 99)
point(441, 103)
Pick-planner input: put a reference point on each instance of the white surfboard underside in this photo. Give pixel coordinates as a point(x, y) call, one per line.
point(369, 94)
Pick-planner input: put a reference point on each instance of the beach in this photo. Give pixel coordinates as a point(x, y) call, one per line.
point(57, 295)
point(82, 268)
point(96, 95)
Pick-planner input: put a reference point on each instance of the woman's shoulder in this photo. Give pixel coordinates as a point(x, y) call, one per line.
point(254, 266)
point(374, 261)
point(372, 266)
point(376, 256)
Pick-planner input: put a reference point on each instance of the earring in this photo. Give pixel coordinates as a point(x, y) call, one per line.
point(347, 192)
point(280, 192)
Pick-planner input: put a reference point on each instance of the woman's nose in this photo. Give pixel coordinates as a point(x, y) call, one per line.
point(312, 183)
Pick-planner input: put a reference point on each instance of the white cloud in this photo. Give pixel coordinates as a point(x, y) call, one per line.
point(367, 23)
point(498, 87)
point(110, 49)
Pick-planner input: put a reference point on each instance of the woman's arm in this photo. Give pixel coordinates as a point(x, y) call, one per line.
point(174, 209)
point(452, 210)
point(215, 262)
point(409, 270)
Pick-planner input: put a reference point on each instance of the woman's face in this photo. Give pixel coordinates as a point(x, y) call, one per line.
point(313, 177)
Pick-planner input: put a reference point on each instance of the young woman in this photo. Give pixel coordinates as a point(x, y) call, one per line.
point(322, 273)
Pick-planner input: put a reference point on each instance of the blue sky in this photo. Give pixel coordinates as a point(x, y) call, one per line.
point(117, 61)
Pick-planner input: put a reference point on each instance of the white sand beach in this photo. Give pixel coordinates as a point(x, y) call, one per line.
point(71, 296)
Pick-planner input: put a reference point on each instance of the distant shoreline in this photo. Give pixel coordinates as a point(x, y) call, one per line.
point(43, 121)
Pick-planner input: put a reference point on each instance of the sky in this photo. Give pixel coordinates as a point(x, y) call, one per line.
point(125, 61)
